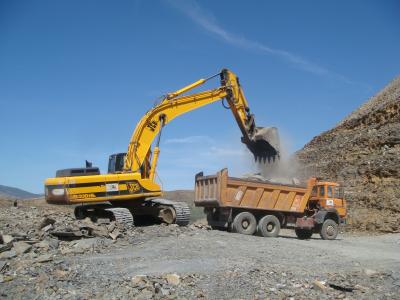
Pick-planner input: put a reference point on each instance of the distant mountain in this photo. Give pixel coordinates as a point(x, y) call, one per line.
point(12, 192)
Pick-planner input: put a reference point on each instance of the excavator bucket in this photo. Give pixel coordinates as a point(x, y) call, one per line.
point(264, 144)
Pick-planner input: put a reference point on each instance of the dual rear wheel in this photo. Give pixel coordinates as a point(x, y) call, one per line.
point(270, 226)
point(246, 223)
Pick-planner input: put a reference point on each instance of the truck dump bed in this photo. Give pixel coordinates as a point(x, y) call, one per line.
point(220, 190)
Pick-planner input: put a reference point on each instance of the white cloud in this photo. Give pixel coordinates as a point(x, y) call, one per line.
point(208, 22)
point(225, 152)
point(195, 139)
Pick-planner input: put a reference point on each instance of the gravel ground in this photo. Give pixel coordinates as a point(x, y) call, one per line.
point(169, 262)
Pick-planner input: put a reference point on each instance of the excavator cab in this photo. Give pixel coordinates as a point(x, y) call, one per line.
point(116, 163)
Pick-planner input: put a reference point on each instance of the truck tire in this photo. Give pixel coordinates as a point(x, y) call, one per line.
point(244, 223)
point(329, 230)
point(269, 226)
point(303, 234)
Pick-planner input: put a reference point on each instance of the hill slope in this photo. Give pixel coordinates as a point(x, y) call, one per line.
point(363, 153)
point(12, 192)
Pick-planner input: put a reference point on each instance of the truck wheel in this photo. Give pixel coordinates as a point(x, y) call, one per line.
point(244, 223)
point(269, 226)
point(329, 230)
point(303, 234)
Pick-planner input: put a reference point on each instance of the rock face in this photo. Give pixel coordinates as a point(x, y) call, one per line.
point(363, 153)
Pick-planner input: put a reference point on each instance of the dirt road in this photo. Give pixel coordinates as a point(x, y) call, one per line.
point(287, 261)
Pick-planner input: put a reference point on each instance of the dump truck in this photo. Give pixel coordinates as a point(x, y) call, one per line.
point(129, 189)
point(251, 206)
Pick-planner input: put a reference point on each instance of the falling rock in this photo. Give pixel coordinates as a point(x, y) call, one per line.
point(173, 279)
point(21, 247)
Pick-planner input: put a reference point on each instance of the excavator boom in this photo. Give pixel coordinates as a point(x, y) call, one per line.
point(130, 186)
point(263, 142)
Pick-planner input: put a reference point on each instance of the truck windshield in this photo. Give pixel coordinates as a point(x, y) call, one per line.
point(321, 191)
point(314, 192)
point(330, 192)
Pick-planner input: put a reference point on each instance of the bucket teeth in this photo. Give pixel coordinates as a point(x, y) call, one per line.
point(264, 144)
point(264, 159)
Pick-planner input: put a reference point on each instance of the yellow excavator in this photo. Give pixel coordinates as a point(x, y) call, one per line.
point(129, 189)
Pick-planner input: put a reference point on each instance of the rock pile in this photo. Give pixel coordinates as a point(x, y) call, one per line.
point(47, 254)
point(36, 242)
point(29, 236)
point(363, 153)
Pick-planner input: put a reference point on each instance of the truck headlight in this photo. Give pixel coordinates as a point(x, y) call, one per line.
point(58, 192)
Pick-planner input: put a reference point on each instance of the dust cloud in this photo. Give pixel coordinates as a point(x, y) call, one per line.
point(286, 169)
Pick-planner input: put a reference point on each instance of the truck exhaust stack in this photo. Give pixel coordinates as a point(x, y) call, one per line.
point(264, 144)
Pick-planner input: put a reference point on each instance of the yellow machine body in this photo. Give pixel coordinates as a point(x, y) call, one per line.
point(136, 180)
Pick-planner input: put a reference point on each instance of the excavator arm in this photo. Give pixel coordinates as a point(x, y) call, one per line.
point(262, 142)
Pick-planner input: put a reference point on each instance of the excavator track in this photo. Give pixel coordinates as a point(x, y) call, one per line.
point(182, 213)
point(182, 210)
point(122, 216)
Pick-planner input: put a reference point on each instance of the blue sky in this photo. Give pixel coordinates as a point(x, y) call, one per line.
point(76, 76)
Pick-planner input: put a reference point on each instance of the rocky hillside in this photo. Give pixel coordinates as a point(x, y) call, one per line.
point(363, 153)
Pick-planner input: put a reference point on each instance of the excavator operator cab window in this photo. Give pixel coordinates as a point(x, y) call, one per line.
point(116, 162)
point(322, 191)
